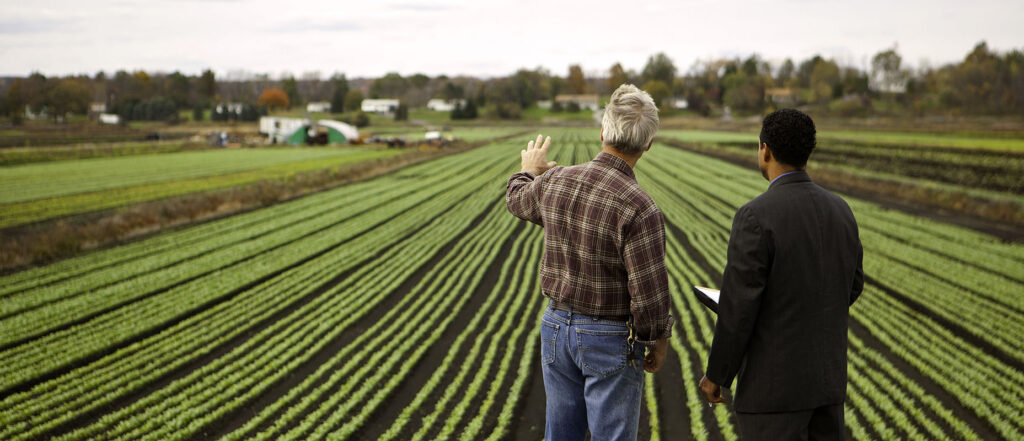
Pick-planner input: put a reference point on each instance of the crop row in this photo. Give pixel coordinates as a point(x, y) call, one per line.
point(708, 196)
point(286, 285)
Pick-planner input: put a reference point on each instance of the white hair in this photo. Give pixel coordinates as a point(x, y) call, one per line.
point(630, 120)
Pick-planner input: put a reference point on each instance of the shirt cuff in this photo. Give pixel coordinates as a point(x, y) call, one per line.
point(664, 332)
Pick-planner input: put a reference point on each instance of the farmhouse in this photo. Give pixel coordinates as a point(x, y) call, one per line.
point(587, 101)
point(386, 105)
point(318, 106)
point(439, 105)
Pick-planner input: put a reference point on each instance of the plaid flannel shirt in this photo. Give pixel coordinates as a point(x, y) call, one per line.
point(604, 241)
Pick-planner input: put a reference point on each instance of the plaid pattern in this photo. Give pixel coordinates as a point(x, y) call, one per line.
point(604, 241)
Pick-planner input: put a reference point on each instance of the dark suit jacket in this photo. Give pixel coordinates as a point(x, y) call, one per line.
point(793, 270)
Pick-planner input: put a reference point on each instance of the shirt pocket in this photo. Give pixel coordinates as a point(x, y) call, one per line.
point(548, 338)
point(604, 351)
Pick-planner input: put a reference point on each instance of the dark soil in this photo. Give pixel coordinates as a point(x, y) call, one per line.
point(531, 415)
point(957, 329)
point(427, 366)
point(979, 425)
point(236, 419)
point(156, 384)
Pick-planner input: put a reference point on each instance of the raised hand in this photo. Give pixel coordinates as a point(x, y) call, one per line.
point(535, 157)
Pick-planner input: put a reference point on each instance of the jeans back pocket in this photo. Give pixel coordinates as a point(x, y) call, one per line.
point(548, 338)
point(604, 351)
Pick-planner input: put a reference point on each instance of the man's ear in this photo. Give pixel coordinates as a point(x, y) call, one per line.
point(766, 155)
point(602, 133)
point(649, 146)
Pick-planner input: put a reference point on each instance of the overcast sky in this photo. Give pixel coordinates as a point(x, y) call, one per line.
point(481, 37)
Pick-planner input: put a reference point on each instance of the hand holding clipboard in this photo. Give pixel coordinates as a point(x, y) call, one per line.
point(707, 296)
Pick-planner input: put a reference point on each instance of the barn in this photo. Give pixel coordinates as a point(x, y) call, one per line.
point(297, 131)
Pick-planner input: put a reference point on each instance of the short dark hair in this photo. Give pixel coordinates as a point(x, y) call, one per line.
point(790, 135)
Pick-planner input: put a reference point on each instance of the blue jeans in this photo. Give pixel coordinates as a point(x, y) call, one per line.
point(592, 378)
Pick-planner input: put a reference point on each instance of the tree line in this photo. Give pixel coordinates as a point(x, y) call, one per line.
point(984, 82)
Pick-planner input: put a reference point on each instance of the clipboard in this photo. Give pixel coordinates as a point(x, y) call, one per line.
point(708, 297)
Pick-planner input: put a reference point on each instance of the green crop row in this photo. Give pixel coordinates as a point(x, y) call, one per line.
point(386, 232)
point(702, 206)
point(236, 308)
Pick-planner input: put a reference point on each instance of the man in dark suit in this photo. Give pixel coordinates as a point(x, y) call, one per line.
point(793, 271)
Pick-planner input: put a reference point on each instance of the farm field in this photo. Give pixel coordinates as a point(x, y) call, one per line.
point(25, 155)
point(990, 173)
point(962, 176)
point(872, 137)
point(35, 192)
point(406, 307)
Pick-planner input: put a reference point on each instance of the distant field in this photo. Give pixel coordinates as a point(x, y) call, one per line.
point(463, 133)
point(980, 177)
point(35, 192)
point(25, 155)
point(866, 137)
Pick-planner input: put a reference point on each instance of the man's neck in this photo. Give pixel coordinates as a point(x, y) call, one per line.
point(630, 159)
point(779, 170)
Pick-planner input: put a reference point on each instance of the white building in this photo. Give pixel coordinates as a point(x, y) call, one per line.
point(386, 105)
point(109, 118)
point(587, 101)
point(439, 105)
point(230, 108)
point(279, 129)
point(318, 106)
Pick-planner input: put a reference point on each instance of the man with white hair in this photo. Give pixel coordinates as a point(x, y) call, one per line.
point(603, 272)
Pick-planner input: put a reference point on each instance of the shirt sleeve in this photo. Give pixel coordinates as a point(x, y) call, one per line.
point(522, 197)
point(743, 283)
point(644, 257)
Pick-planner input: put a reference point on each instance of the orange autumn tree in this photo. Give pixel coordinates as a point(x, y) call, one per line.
point(273, 98)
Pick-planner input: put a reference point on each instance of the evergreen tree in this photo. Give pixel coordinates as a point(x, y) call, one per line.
point(469, 112)
point(402, 112)
point(338, 97)
point(291, 88)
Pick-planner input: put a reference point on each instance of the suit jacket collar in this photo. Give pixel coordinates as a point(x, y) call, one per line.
point(796, 176)
point(616, 163)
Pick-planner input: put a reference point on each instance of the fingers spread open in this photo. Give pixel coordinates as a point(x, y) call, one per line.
point(547, 143)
